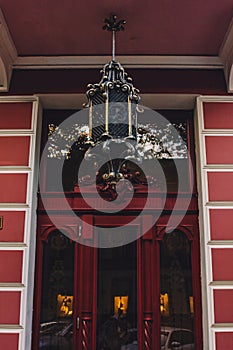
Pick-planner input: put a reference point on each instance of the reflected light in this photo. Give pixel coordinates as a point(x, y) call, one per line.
point(164, 304)
point(191, 304)
point(120, 303)
point(65, 305)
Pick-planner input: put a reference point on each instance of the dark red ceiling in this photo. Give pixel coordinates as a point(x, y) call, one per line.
point(154, 27)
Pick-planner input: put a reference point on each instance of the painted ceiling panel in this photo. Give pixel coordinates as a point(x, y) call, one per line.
point(161, 27)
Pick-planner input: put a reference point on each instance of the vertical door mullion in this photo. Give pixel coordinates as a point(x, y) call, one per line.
point(148, 322)
point(37, 296)
point(156, 292)
point(76, 296)
point(196, 272)
point(140, 286)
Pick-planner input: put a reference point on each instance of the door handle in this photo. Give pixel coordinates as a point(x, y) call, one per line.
point(77, 322)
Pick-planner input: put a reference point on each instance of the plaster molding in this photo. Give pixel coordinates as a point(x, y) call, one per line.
point(85, 62)
point(8, 54)
point(226, 55)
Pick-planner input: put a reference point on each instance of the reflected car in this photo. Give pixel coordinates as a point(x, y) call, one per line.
point(56, 335)
point(177, 339)
point(171, 339)
point(132, 346)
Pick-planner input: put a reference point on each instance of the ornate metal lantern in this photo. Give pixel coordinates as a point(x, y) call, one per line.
point(113, 115)
point(114, 86)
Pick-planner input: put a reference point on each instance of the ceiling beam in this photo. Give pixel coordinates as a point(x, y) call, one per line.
point(82, 62)
point(226, 55)
point(8, 54)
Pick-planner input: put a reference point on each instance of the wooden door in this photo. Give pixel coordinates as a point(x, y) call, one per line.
point(85, 266)
point(133, 278)
point(65, 284)
point(169, 273)
point(118, 292)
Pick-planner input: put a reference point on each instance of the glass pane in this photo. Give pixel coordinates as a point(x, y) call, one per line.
point(166, 141)
point(176, 294)
point(56, 318)
point(117, 298)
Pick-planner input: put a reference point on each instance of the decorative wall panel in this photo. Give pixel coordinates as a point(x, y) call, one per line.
point(9, 341)
point(214, 140)
point(16, 152)
point(18, 183)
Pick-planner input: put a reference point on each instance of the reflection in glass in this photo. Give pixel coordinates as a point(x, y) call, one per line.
point(165, 140)
point(121, 303)
point(117, 298)
point(176, 294)
point(56, 319)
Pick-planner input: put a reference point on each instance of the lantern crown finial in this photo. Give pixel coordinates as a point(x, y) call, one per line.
point(113, 25)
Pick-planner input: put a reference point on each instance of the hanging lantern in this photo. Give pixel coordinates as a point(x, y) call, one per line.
point(113, 115)
point(114, 121)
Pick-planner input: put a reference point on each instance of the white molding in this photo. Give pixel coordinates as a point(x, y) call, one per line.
point(226, 56)
point(218, 167)
point(18, 99)
point(221, 168)
point(30, 229)
point(12, 287)
point(206, 266)
point(10, 328)
point(15, 169)
point(204, 176)
point(220, 205)
point(214, 99)
point(8, 54)
point(12, 246)
point(87, 62)
point(222, 327)
point(221, 285)
point(13, 206)
point(220, 244)
point(218, 132)
point(15, 132)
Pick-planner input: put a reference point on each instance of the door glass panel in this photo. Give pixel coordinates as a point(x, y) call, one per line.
point(56, 317)
point(176, 294)
point(117, 298)
point(155, 140)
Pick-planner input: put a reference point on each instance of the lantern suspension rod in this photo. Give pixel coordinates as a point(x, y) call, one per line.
point(112, 25)
point(113, 44)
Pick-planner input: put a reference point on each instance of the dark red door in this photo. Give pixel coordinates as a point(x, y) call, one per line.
point(153, 282)
point(170, 295)
point(65, 285)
